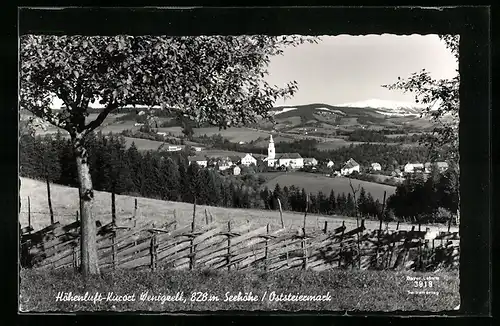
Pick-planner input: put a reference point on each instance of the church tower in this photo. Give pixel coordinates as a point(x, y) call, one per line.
point(271, 154)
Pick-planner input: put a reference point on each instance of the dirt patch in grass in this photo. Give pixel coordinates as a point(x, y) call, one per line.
point(342, 290)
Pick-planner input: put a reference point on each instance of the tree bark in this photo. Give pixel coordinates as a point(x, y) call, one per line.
point(88, 244)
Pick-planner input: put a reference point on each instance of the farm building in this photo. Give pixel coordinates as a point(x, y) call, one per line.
point(198, 149)
point(248, 160)
point(442, 166)
point(224, 163)
point(349, 167)
point(236, 170)
point(330, 164)
point(202, 161)
point(427, 167)
point(396, 173)
point(138, 124)
point(235, 159)
point(413, 167)
point(376, 167)
point(174, 148)
point(293, 160)
point(161, 133)
point(310, 161)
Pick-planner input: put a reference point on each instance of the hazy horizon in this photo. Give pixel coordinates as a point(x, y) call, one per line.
point(345, 68)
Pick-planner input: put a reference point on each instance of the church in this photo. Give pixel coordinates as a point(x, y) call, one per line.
point(291, 160)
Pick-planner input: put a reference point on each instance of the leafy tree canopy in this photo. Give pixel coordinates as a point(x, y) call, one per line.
point(208, 79)
point(441, 100)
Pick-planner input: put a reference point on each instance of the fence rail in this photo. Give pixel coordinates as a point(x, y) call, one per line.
point(221, 246)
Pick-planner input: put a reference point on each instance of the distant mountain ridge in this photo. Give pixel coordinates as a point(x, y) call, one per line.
point(369, 113)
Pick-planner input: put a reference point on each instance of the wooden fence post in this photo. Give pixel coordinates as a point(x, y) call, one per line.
point(229, 245)
point(341, 243)
point(113, 249)
point(206, 217)
point(382, 214)
point(397, 226)
point(359, 245)
point(325, 229)
point(153, 252)
point(135, 212)
point(192, 249)
point(175, 219)
point(281, 214)
point(50, 202)
point(304, 249)
point(77, 216)
point(75, 267)
point(267, 250)
point(113, 208)
point(305, 213)
point(29, 214)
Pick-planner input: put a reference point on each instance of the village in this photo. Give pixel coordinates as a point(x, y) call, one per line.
point(294, 161)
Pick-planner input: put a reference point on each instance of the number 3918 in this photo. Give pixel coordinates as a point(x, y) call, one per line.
point(422, 284)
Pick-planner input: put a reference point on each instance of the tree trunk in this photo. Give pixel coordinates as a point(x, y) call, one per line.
point(88, 245)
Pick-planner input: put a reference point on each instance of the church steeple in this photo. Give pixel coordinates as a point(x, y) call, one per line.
point(270, 149)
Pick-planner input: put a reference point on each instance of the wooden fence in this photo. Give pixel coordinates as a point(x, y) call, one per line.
point(224, 246)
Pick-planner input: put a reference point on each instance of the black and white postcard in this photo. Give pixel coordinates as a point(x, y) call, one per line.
point(239, 172)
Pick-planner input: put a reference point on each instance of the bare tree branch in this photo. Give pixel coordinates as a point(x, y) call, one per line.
point(91, 126)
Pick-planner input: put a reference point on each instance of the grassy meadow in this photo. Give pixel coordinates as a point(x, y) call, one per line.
point(65, 205)
point(350, 290)
point(318, 182)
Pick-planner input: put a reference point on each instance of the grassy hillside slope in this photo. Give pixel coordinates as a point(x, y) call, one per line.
point(317, 182)
point(65, 205)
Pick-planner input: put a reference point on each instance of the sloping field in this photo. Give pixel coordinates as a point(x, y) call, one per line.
point(234, 135)
point(65, 205)
point(315, 183)
point(143, 144)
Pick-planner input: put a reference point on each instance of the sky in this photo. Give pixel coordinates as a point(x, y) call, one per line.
point(344, 69)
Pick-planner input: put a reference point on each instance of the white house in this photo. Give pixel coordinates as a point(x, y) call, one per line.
point(174, 148)
point(224, 163)
point(292, 160)
point(330, 164)
point(202, 161)
point(411, 167)
point(442, 166)
point(137, 124)
point(310, 161)
point(236, 170)
point(248, 160)
point(427, 167)
point(161, 133)
point(198, 149)
point(349, 167)
point(376, 167)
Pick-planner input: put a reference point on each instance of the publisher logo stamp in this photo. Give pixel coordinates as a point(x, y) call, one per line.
point(422, 285)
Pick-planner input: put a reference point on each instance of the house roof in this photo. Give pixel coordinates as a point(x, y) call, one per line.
point(309, 159)
point(290, 156)
point(415, 164)
point(442, 164)
point(350, 164)
point(377, 164)
point(248, 154)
